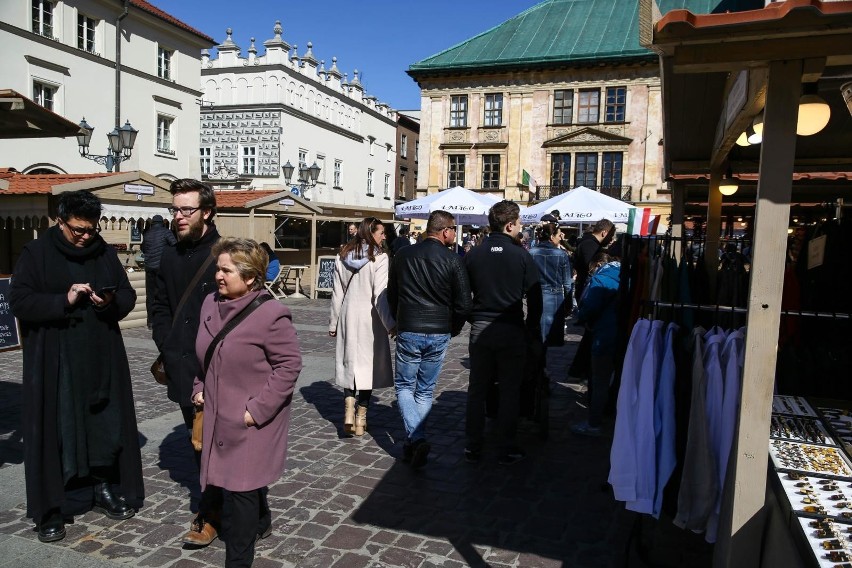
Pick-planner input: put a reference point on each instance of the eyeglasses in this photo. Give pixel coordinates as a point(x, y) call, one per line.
point(453, 228)
point(81, 231)
point(184, 211)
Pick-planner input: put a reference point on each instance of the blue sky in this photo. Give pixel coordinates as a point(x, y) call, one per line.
point(380, 38)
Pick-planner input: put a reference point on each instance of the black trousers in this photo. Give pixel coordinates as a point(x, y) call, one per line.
point(363, 396)
point(150, 290)
point(245, 516)
point(498, 352)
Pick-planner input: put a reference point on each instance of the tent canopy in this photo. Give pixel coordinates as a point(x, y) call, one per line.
point(580, 205)
point(468, 207)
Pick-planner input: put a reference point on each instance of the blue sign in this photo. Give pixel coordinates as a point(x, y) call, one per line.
point(296, 191)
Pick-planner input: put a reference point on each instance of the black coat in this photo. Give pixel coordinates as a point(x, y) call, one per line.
point(588, 247)
point(43, 275)
point(155, 241)
point(178, 267)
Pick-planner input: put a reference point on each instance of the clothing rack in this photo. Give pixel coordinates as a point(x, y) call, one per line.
point(736, 310)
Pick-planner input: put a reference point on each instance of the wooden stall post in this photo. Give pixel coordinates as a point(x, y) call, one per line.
point(714, 228)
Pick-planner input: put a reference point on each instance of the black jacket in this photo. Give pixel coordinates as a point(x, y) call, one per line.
point(587, 249)
point(155, 240)
point(428, 291)
point(178, 267)
point(501, 274)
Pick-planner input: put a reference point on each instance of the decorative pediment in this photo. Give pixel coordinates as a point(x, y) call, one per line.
point(586, 137)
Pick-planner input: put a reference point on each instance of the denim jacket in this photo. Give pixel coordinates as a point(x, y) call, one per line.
point(554, 267)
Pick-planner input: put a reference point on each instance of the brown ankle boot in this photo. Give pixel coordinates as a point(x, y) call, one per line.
point(349, 415)
point(202, 531)
point(361, 421)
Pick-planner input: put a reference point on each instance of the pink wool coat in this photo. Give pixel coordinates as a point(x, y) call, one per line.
point(253, 368)
point(361, 316)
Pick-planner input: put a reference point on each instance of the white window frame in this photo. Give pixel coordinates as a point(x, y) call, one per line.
point(165, 134)
point(403, 146)
point(303, 160)
point(164, 63)
point(45, 12)
point(248, 160)
point(206, 160)
point(338, 172)
point(459, 105)
point(40, 88)
point(321, 164)
point(370, 181)
point(86, 27)
point(387, 186)
point(493, 109)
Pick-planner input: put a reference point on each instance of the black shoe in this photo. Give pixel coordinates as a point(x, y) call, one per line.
point(419, 453)
point(472, 456)
point(109, 504)
point(407, 452)
point(512, 457)
point(52, 527)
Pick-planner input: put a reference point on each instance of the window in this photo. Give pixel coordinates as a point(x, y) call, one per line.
point(611, 175)
point(387, 186)
point(164, 134)
point(86, 33)
point(43, 94)
point(338, 167)
point(371, 141)
point(403, 146)
point(494, 110)
point(303, 160)
point(560, 170)
point(563, 107)
point(206, 157)
point(248, 161)
point(321, 164)
point(164, 63)
point(490, 171)
point(402, 173)
point(458, 111)
point(586, 169)
point(588, 106)
point(456, 171)
point(416, 149)
point(43, 17)
point(616, 99)
point(369, 182)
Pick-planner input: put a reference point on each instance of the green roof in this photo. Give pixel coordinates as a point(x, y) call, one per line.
point(559, 32)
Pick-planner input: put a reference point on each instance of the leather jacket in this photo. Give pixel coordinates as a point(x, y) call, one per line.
point(428, 289)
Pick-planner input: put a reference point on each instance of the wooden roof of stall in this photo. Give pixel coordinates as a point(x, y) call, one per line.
point(22, 118)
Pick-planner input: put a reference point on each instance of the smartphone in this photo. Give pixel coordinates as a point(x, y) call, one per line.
point(106, 289)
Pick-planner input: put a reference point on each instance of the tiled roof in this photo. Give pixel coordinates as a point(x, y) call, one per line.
point(229, 198)
point(563, 32)
point(151, 9)
point(28, 184)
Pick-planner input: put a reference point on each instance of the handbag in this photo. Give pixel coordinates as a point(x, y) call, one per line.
point(198, 419)
point(157, 367)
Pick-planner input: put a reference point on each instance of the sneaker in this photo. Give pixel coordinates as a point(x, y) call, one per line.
point(419, 453)
point(584, 429)
point(472, 456)
point(512, 457)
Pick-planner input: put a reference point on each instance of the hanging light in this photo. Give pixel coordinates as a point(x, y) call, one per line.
point(743, 139)
point(755, 131)
point(814, 112)
point(728, 185)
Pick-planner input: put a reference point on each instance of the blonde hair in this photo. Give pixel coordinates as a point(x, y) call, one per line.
point(248, 257)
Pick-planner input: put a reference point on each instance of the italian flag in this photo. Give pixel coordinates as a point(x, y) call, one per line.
point(528, 180)
point(641, 223)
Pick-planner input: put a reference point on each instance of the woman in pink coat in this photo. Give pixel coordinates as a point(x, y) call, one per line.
point(361, 320)
point(246, 394)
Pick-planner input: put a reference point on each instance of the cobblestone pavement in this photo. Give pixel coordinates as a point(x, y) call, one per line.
point(347, 501)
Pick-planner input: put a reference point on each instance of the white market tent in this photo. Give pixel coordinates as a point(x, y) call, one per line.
point(580, 205)
point(468, 207)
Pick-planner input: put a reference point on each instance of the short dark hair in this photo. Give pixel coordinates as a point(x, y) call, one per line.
point(546, 230)
point(403, 231)
point(501, 213)
point(206, 197)
point(602, 225)
point(81, 204)
point(438, 221)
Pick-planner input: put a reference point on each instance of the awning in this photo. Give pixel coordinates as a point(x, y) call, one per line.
point(135, 212)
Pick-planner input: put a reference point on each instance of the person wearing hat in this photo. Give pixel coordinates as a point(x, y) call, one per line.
point(154, 240)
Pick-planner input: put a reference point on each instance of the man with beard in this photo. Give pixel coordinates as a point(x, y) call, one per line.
point(186, 276)
point(501, 274)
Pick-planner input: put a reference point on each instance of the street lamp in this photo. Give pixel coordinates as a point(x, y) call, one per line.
point(307, 175)
point(121, 142)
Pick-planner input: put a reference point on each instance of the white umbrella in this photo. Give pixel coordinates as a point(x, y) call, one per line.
point(580, 205)
point(468, 207)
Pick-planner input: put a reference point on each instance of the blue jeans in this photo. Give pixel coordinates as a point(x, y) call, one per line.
point(419, 357)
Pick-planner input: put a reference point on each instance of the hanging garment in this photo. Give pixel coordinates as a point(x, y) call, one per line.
point(664, 419)
point(699, 485)
point(715, 394)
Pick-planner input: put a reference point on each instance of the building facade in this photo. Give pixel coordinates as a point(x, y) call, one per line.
point(263, 112)
point(63, 54)
point(579, 105)
point(408, 146)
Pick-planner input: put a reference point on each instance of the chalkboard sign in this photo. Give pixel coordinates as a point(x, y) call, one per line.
point(325, 274)
point(10, 333)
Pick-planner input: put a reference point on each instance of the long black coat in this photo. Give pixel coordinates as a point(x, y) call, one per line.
point(38, 293)
point(178, 267)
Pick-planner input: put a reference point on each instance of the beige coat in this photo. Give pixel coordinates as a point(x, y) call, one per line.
point(362, 318)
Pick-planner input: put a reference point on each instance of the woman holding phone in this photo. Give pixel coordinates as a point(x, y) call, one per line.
point(81, 445)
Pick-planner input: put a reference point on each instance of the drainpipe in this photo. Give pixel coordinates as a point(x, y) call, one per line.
point(118, 69)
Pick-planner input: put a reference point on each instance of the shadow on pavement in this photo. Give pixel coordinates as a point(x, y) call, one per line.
point(177, 456)
point(11, 436)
